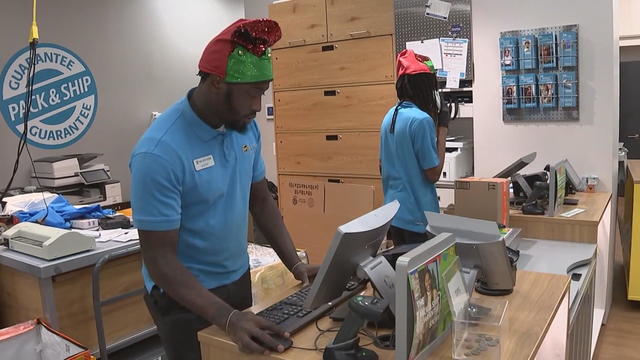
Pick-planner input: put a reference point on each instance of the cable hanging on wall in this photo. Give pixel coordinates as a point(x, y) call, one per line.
point(22, 142)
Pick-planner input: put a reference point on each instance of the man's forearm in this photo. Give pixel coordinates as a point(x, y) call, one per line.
point(171, 276)
point(269, 220)
point(433, 174)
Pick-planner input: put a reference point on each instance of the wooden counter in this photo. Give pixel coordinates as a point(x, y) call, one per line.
point(532, 309)
point(582, 227)
point(591, 226)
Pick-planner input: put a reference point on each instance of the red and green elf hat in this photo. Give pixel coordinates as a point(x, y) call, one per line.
point(241, 53)
point(409, 63)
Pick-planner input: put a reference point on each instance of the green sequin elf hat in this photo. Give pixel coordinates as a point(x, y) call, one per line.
point(241, 53)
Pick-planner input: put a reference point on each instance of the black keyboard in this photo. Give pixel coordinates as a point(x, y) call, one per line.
point(291, 316)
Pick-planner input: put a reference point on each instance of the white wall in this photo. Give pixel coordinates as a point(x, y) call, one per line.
point(629, 10)
point(143, 54)
point(589, 144)
point(260, 9)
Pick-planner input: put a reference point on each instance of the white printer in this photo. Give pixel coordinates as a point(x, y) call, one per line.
point(46, 242)
point(458, 159)
point(65, 170)
point(81, 183)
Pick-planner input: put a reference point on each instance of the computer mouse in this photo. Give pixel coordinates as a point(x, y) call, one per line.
point(279, 339)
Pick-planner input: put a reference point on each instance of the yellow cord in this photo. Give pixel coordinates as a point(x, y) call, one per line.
point(33, 33)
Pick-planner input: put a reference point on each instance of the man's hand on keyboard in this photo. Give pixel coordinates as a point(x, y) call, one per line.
point(305, 272)
point(244, 325)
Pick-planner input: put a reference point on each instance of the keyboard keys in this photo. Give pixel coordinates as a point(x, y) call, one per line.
point(289, 307)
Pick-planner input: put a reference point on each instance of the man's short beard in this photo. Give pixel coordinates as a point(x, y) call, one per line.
point(240, 127)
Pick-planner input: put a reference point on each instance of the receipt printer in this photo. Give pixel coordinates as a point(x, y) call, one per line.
point(458, 160)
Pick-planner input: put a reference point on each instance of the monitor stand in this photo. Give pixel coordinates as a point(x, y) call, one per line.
point(382, 277)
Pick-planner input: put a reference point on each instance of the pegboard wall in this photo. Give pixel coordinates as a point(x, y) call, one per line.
point(413, 25)
point(553, 109)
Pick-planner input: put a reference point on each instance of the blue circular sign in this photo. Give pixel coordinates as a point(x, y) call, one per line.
point(65, 96)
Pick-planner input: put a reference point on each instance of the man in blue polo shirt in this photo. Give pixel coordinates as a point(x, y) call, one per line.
point(412, 146)
point(195, 175)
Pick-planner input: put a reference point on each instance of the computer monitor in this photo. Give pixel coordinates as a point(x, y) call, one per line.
point(557, 187)
point(518, 165)
point(353, 243)
point(572, 176)
point(423, 316)
point(481, 247)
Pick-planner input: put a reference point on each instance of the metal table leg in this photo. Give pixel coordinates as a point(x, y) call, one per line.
point(48, 302)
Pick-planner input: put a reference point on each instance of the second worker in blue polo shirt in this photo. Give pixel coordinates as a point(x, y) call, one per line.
point(412, 147)
point(195, 175)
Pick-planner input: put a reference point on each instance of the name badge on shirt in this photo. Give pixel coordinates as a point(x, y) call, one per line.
point(203, 162)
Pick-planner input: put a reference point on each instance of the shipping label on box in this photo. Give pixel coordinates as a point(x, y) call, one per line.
point(305, 196)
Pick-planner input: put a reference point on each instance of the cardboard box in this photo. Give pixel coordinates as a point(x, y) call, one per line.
point(313, 210)
point(486, 199)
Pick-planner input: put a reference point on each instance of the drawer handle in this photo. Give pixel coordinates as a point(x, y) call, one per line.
point(331, 92)
point(335, 181)
point(297, 42)
point(333, 137)
point(329, 47)
point(360, 33)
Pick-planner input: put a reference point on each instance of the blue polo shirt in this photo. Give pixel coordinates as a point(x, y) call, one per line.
point(188, 176)
point(404, 155)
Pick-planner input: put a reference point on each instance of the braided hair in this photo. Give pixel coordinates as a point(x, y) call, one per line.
point(421, 89)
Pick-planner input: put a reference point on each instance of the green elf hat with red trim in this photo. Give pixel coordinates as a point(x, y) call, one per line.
point(241, 53)
point(409, 63)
